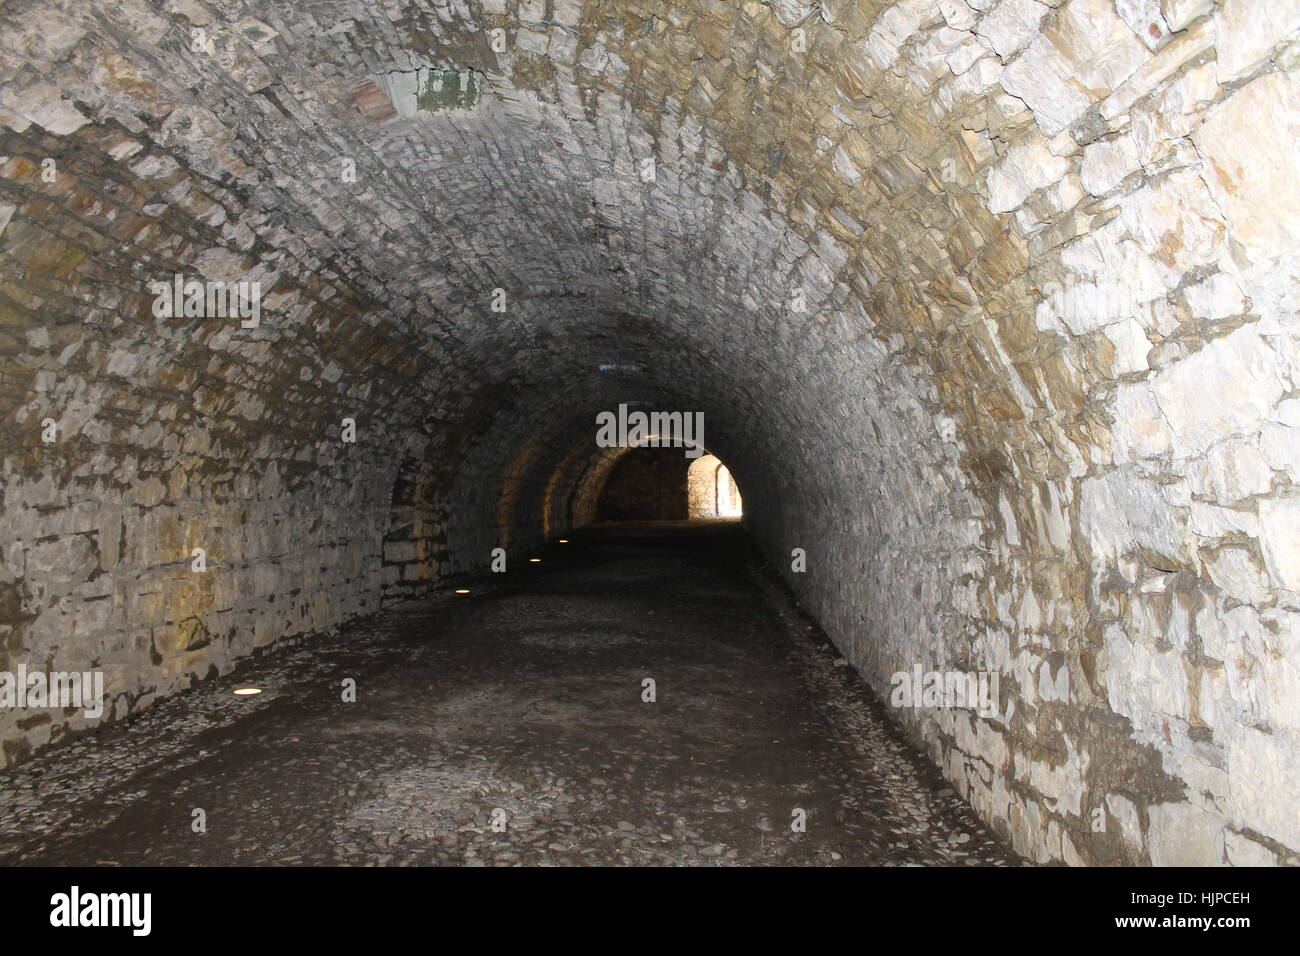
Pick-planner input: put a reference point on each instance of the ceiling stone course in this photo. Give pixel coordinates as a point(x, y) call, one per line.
point(880, 255)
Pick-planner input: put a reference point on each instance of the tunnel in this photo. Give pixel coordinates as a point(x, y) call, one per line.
point(311, 311)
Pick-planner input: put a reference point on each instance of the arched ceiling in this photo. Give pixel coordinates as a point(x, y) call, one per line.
point(850, 257)
point(239, 144)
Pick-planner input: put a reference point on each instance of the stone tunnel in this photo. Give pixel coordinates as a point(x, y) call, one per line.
point(308, 309)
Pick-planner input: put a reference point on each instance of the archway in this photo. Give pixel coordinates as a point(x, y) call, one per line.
point(414, 538)
point(728, 495)
point(712, 490)
point(950, 283)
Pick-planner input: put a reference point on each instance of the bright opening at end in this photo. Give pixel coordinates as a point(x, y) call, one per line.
point(711, 490)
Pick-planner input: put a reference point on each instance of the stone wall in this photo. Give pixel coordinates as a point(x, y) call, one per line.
point(990, 305)
point(702, 487)
point(647, 484)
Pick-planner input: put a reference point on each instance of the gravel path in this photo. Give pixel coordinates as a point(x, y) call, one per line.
point(508, 727)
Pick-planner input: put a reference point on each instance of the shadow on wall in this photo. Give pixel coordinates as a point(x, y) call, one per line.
point(647, 484)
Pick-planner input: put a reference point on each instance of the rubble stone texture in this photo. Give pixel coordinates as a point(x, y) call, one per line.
point(757, 722)
point(646, 484)
point(990, 305)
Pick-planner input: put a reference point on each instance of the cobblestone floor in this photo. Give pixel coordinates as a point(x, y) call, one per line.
point(523, 697)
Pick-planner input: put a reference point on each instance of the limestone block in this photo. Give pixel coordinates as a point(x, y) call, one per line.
point(567, 12)
point(1180, 834)
point(1247, 30)
point(1125, 814)
point(1040, 77)
point(1238, 574)
point(1252, 166)
point(1259, 766)
point(532, 41)
point(1227, 388)
point(1184, 48)
point(1060, 783)
point(1107, 162)
point(1101, 50)
point(1281, 684)
point(791, 12)
point(41, 36)
point(70, 556)
point(1022, 171)
point(1158, 681)
point(1131, 346)
point(890, 32)
point(1280, 529)
point(957, 14)
point(1231, 470)
point(1011, 25)
point(1179, 13)
point(1217, 297)
point(1122, 511)
point(1145, 19)
point(963, 56)
point(1176, 222)
point(45, 106)
point(1280, 447)
point(1215, 521)
point(1243, 851)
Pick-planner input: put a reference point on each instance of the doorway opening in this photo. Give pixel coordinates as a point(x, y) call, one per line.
point(711, 490)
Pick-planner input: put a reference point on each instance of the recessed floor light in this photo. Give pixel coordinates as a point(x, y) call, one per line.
point(564, 541)
point(534, 560)
point(462, 590)
point(247, 691)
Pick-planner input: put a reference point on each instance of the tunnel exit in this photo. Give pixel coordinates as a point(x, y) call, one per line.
point(712, 490)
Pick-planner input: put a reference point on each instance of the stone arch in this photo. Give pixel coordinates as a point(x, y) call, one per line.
point(703, 486)
point(950, 281)
point(727, 494)
point(414, 543)
point(713, 490)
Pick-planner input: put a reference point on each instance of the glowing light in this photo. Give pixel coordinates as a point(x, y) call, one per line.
point(534, 560)
point(462, 590)
point(564, 541)
point(247, 691)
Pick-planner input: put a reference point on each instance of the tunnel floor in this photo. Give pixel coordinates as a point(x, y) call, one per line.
point(523, 697)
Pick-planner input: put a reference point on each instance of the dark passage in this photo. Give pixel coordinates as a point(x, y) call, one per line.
point(646, 484)
point(523, 697)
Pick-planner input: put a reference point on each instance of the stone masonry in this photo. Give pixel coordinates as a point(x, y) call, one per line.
point(991, 306)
